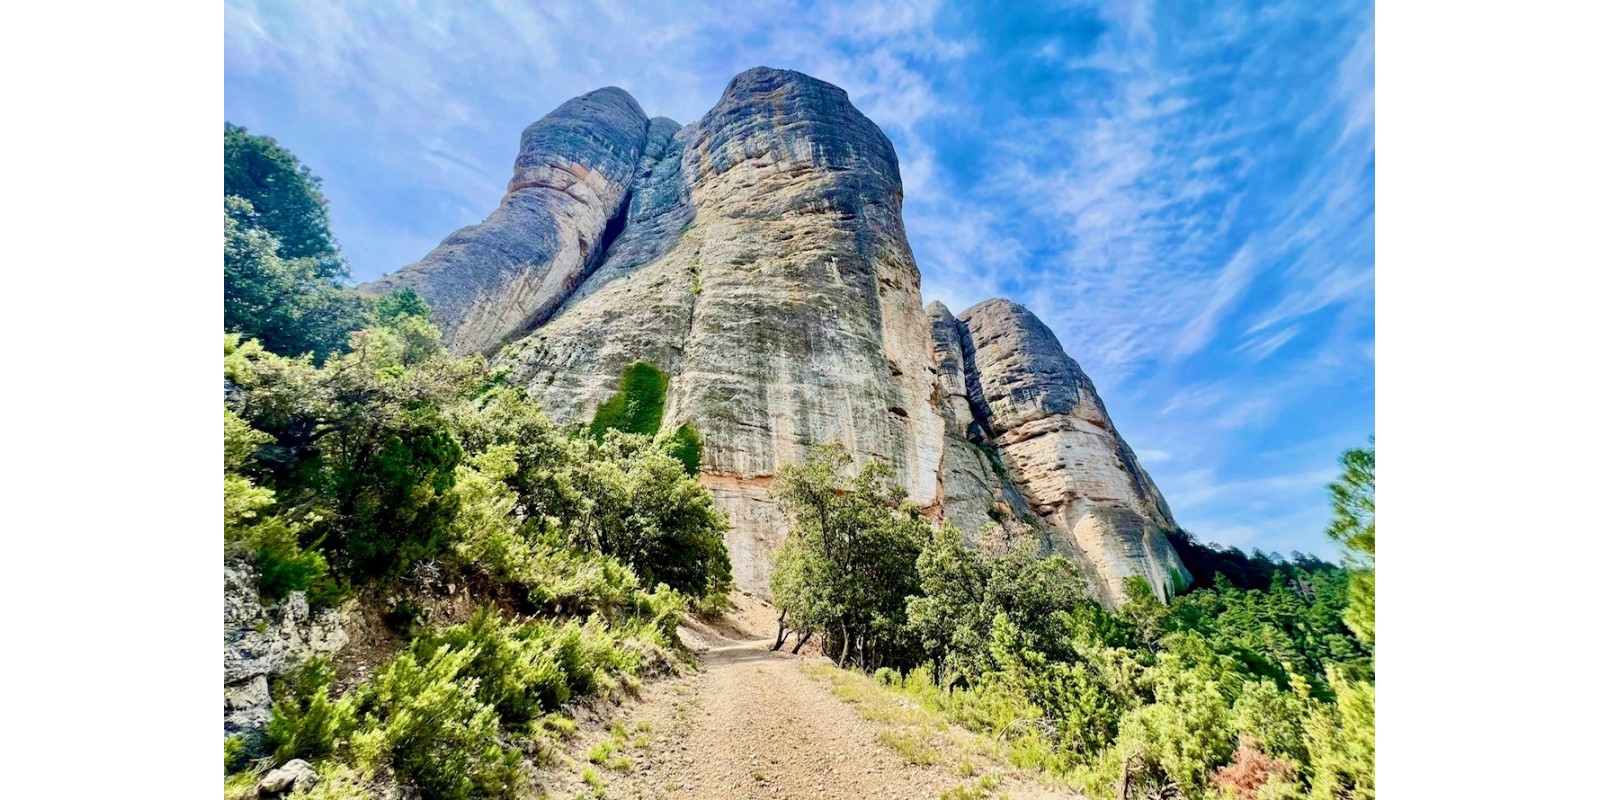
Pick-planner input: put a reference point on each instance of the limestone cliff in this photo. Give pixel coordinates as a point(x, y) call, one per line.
point(1040, 412)
point(501, 277)
point(759, 258)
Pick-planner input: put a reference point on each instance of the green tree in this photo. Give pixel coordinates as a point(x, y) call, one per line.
point(964, 588)
point(284, 302)
point(648, 512)
point(285, 194)
point(361, 445)
point(849, 562)
point(1354, 525)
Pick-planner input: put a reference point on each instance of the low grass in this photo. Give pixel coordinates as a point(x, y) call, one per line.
point(976, 790)
point(924, 726)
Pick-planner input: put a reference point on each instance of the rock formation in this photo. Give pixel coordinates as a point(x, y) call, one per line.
point(758, 257)
point(1036, 407)
point(261, 641)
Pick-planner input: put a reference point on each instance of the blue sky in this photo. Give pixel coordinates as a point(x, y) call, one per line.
point(1182, 191)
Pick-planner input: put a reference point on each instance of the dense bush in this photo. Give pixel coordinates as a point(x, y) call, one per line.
point(446, 715)
point(648, 512)
point(963, 589)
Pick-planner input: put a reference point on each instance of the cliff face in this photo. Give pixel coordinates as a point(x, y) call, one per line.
point(1036, 407)
point(758, 257)
point(504, 276)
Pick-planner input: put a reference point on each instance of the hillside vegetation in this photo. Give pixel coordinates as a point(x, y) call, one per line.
point(358, 456)
point(1263, 690)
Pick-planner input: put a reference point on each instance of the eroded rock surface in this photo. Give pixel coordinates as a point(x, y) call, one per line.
point(261, 641)
point(764, 267)
point(1061, 451)
point(759, 258)
point(503, 276)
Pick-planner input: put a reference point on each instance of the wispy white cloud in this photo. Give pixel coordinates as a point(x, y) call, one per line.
point(1260, 347)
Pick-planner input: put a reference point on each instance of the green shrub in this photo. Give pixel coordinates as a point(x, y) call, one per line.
point(306, 722)
point(518, 668)
point(283, 567)
point(234, 754)
point(424, 720)
point(685, 445)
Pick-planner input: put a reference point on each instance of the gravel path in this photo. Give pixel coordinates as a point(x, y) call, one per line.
point(751, 724)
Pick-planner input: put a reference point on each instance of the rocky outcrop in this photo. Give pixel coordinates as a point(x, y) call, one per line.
point(260, 642)
point(758, 257)
point(764, 266)
point(1052, 433)
point(504, 276)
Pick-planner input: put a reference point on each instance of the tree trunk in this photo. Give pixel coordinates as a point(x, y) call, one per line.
point(804, 637)
point(782, 632)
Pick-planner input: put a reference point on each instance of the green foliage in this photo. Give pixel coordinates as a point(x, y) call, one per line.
point(283, 567)
point(281, 267)
point(963, 589)
point(249, 525)
point(286, 302)
point(526, 670)
point(361, 444)
point(393, 485)
point(446, 715)
point(239, 442)
point(1212, 564)
point(399, 304)
point(285, 194)
point(849, 562)
point(422, 717)
point(1294, 629)
point(684, 444)
point(1342, 740)
point(649, 513)
point(1355, 526)
point(399, 322)
point(306, 722)
point(637, 407)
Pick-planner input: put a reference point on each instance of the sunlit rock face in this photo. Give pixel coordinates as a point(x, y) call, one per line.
point(1061, 451)
point(490, 281)
point(758, 257)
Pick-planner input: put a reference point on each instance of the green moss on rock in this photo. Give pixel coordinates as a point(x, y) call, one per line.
point(638, 407)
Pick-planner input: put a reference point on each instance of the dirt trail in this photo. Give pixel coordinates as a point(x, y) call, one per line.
point(758, 727)
point(752, 724)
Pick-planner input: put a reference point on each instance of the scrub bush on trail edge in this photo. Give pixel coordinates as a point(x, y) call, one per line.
point(448, 714)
